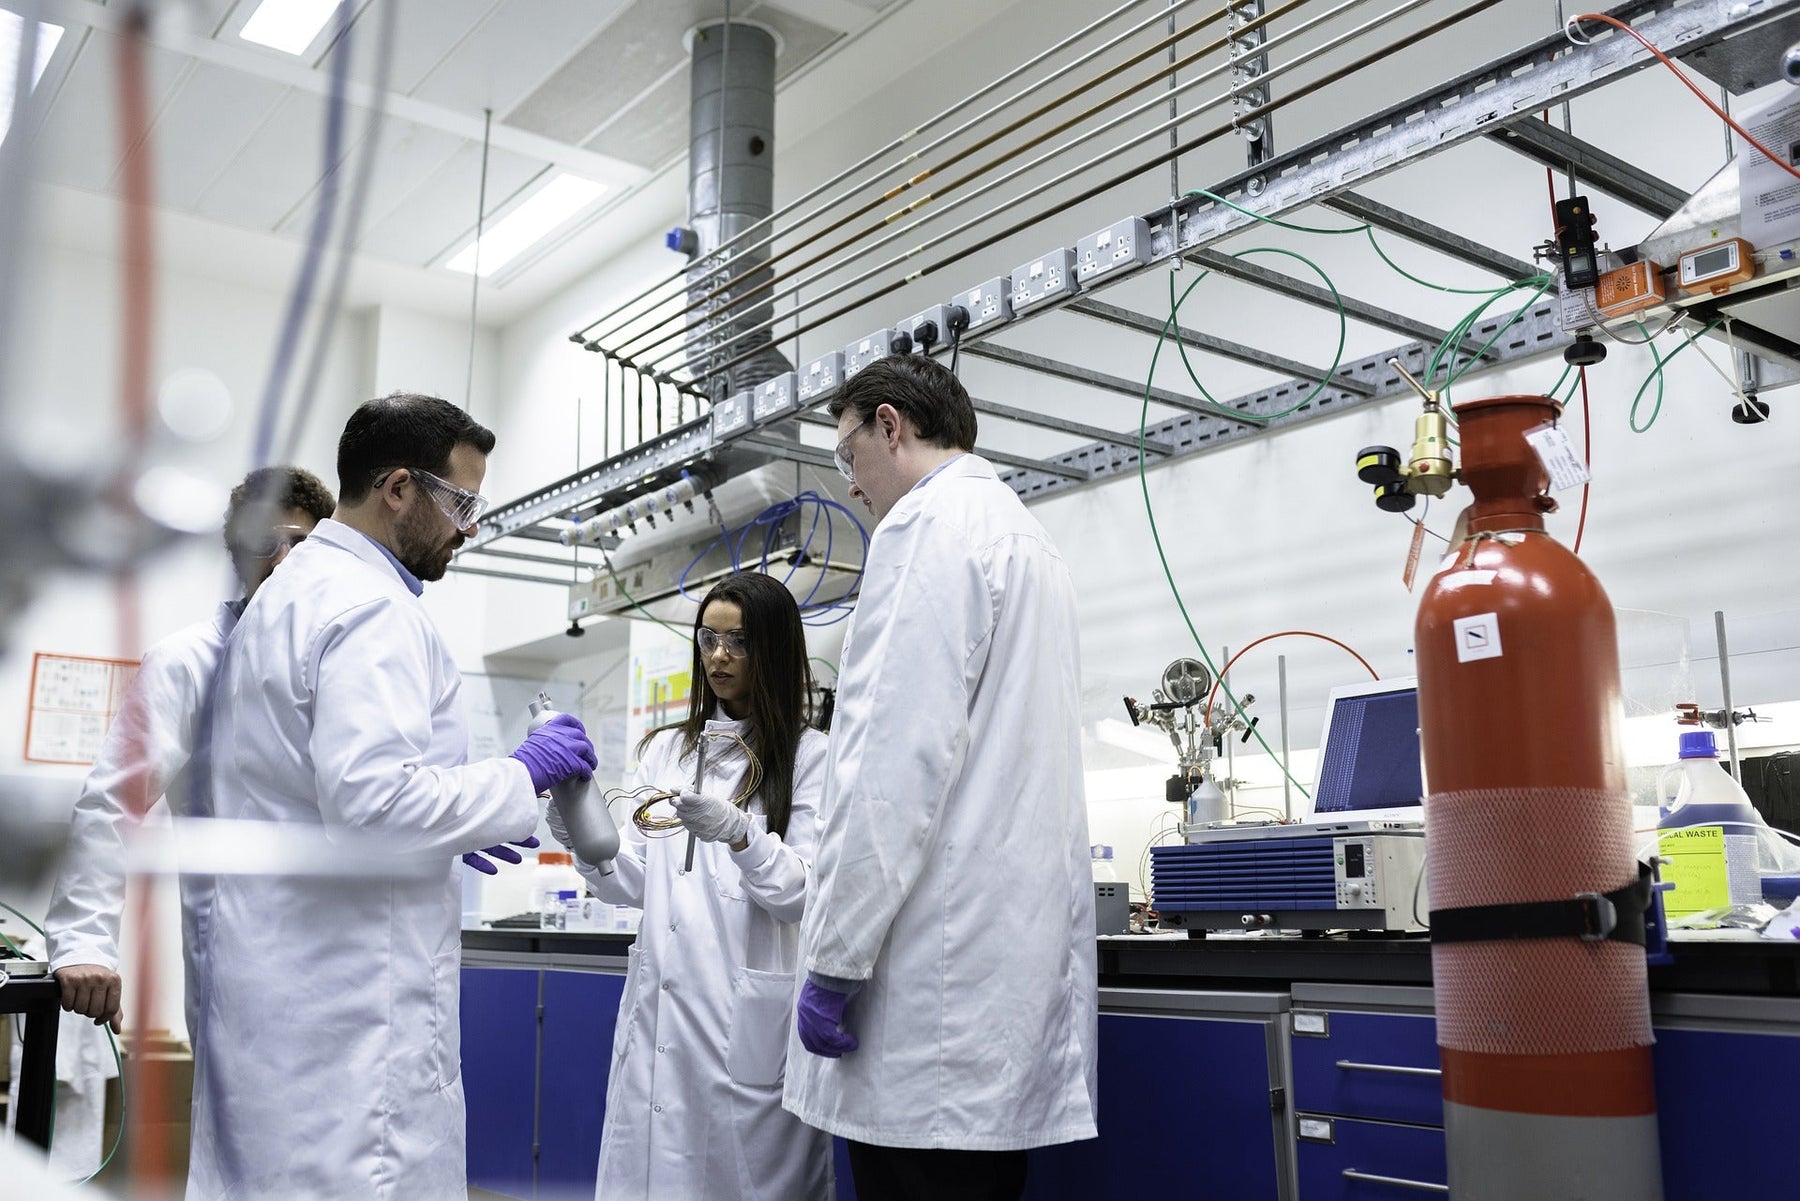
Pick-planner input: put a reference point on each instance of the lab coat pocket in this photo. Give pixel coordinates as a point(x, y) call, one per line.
point(762, 1008)
point(446, 987)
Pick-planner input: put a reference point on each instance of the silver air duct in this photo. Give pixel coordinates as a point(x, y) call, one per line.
point(731, 186)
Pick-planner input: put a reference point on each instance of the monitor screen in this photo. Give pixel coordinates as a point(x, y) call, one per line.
point(1370, 759)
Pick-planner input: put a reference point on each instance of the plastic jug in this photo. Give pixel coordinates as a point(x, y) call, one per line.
point(591, 829)
point(1700, 795)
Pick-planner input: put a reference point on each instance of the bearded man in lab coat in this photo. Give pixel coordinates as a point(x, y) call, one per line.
point(146, 754)
point(330, 1064)
point(950, 1009)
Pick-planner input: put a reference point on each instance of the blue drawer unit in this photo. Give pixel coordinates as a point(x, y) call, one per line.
point(580, 1014)
point(1205, 1080)
point(499, 1071)
point(1343, 1159)
point(1367, 1065)
point(1707, 1081)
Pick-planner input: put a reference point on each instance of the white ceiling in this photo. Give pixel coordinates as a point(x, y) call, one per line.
point(597, 87)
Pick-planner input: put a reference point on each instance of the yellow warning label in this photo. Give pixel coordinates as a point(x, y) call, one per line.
point(1693, 860)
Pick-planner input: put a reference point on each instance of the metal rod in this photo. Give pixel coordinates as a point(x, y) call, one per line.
point(509, 575)
point(1725, 687)
point(1287, 778)
point(1432, 237)
point(1359, 310)
point(678, 275)
point(638, 347)
point(487, 133)
point(1174, 112)
point(521, 556)
point(1230, 762)
point(1093, 433)
point(699, 782)
point(1125, 176)
point(1099, 379)
point(1102, 311)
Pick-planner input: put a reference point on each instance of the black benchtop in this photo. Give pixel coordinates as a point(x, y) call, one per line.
point(1747, 968)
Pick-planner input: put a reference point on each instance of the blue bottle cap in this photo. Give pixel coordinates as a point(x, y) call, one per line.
point(1699, 744)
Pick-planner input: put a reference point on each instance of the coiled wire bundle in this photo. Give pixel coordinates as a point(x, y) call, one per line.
point(645, 796)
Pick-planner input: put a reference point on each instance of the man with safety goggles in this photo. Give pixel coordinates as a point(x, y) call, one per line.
point(341, 709)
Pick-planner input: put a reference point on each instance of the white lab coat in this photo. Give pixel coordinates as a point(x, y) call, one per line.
point(330, 1065)
point(693, 1100)
point(144, 757)
point(953, 872)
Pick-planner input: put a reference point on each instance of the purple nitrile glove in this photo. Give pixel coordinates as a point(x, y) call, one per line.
point(557, 750)
point(475, 858)
point(821, 1020)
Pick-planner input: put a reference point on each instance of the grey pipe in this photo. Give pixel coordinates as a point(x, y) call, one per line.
point(731, 188)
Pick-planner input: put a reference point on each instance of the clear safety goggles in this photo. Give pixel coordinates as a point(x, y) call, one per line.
point(709, 641)
point(840, 454)
point(462, 507)
point(267, 546)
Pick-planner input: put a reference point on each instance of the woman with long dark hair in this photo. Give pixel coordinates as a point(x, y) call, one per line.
point(693, 1102)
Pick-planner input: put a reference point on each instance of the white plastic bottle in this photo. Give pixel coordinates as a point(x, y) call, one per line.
point(1698, 792)
point(1102, 857)
point(555, 871)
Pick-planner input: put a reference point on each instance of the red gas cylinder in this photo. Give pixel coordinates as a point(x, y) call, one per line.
point(1545, 1041)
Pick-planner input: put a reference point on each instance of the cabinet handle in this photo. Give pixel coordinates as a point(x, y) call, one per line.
point(1422, 1186)
point(1388, 1069)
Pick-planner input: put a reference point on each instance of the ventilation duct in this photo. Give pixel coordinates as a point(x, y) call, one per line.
point(731, 187)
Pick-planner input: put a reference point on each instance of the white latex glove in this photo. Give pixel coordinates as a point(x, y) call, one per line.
point(712, 820)
point(559, 829)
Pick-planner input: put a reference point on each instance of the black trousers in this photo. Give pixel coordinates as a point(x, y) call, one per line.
point(913, 1174)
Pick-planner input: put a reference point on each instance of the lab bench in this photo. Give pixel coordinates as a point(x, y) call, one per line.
point(1286, 1068)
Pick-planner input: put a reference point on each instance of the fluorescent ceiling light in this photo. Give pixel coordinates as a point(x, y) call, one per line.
point(12, 35)
point(287, 25)
point(540, 216)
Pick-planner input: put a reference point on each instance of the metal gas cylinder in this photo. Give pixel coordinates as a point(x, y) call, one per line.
point(1545, 1042)
point(592, 833)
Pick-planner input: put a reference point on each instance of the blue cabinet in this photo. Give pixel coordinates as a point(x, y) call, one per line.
point(536, 1089)
point(499, 1076)
point(1189, 1106)
point(580, 1013)
point(1718, 1109)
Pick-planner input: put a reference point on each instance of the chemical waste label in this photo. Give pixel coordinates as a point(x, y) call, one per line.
point(1478, 637)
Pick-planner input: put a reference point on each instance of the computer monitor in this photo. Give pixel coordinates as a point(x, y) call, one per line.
point(1369, 761)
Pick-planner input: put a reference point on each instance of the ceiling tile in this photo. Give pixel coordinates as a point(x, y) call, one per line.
point(423, 36)
point(440, 211)
point(210, 119)
point(606, 89)
point(520, 43)
point(279, 166)
point(409, 153)
point(78, 143)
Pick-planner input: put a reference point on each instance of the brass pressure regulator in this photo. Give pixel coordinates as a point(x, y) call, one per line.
point(1428, 471)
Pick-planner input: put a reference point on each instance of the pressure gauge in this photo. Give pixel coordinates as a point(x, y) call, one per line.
point(1717, 267)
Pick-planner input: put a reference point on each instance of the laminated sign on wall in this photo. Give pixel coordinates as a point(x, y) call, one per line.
point(73, 701)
